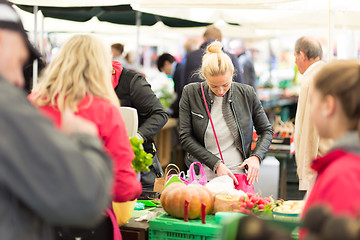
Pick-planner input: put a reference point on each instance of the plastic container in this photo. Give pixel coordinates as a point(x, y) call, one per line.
point(289, 217)
point(165, 227)
point(230, 221)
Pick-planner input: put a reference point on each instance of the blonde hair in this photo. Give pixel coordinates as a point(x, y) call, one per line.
point(82, 67)
point(341, 79)
point(215, 62)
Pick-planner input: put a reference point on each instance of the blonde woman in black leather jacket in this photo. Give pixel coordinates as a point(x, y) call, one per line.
point(235, 110)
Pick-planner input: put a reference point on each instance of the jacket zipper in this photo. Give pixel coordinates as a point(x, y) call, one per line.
point(197, 114)
point(238, 125)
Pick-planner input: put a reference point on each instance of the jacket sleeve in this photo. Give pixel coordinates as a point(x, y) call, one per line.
point(65, 181)
point(238, 77)
point(126, 186)
point(148, 107)
point(262, 126)
point(188, 141)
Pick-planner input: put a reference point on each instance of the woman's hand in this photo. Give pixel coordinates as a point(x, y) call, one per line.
point(253, 164)
point(224, 170)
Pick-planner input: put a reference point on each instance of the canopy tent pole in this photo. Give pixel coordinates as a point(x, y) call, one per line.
point(331, 32)
point(42, 46)
point(138, 25)
point(35, 65)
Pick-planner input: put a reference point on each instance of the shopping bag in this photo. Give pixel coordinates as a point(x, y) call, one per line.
point(192, 174)
point(244, 184)
point(181, 176)
point(160, 182)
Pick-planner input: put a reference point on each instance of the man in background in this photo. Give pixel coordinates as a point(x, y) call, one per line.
point(46, 178)
point(308, 145)
point(194, 58)
point(246, 64)
point(117, 50)
point(167, 64)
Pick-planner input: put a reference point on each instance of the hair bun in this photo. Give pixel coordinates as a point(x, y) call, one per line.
point(215, 47)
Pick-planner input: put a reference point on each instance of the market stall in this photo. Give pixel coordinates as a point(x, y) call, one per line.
point(193, 211)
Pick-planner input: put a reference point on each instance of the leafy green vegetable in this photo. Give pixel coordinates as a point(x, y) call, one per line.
point(142, 160)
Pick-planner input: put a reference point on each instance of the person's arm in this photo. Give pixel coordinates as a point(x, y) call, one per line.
point(65, 181)
point(188, 141)
point(148, 107)
point(126, 186)
point(262, 126)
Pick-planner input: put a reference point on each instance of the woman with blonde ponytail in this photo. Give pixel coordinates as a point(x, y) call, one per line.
point(335, 111)
point(217, 118)
point(78, 80)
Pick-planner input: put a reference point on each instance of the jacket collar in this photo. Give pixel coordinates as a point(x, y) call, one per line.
point(349, 142)
point(116, 72)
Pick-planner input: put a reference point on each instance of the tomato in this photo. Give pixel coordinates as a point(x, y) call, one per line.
point(254, 199)
point(235, 205)
point(249, 204)
point(242, 210)
point(261, 201)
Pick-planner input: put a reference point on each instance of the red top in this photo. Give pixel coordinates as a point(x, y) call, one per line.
point(337, 185)
point(112, 130)
point(117, 69)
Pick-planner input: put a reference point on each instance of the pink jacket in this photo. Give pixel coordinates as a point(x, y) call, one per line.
point(116, 141)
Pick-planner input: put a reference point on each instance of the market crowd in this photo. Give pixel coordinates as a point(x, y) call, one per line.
point(66, 155)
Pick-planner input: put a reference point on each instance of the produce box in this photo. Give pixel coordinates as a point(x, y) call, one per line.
point(230, 221)
point(165, 227)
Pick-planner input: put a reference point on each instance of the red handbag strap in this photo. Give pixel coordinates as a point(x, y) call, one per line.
point(212, 124)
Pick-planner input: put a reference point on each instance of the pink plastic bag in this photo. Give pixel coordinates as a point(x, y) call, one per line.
point(244, 184)
point(192, 174)
point(181, 176)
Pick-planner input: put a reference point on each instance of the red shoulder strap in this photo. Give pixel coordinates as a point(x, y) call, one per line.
point(212, 124)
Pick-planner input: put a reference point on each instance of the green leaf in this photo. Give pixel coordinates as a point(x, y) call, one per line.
point(142, 160)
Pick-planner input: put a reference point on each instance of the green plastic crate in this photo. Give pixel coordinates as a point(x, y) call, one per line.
point(165, 227)
point(231, 222)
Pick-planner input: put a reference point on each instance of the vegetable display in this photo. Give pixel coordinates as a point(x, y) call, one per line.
point(253, 204)
point(142, 159)
point(174, 197)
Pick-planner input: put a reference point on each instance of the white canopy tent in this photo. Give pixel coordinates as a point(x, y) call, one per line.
point(258, 19)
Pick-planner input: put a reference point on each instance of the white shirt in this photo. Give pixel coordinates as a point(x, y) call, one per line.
point(232, 156)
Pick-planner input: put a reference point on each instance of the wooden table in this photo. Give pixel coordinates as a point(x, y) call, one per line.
point(134, 230)
point(163, 141)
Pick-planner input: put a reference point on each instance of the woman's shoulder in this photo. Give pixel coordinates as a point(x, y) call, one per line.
point(98, 106)
point(243, 87)
point(193, 85)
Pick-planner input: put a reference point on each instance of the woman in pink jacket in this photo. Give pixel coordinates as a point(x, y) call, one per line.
point(335, 109)
point(79, 80)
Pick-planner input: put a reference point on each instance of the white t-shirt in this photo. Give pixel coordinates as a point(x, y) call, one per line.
point(232, 156)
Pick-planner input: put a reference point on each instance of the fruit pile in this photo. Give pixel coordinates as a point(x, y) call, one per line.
point(253, 204)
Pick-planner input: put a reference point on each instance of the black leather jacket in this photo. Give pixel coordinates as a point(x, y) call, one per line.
point(247, 110)
point(134, 91)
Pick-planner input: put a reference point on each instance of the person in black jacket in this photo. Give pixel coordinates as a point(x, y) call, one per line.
point(235, 111)
point(194, 58)
point(134, 91)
